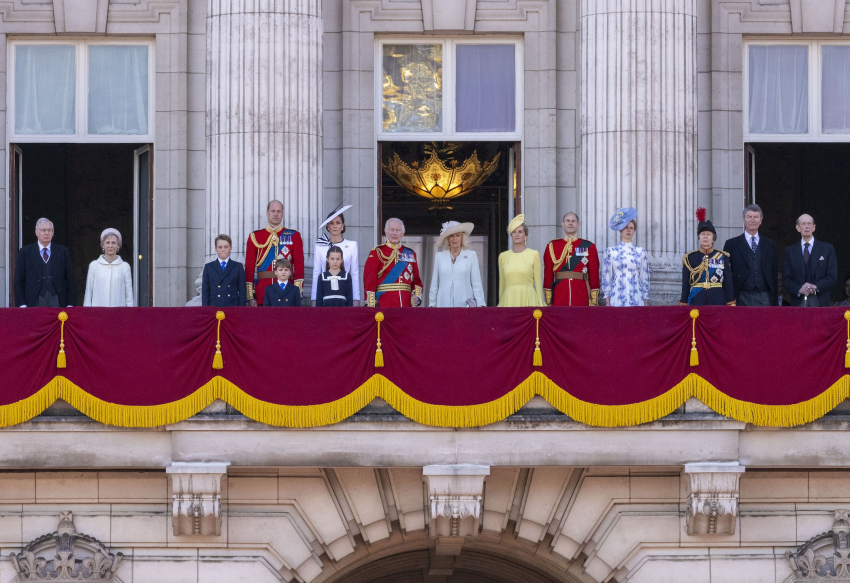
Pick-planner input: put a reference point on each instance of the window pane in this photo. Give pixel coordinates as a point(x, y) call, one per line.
point(118, 90)
point(486, 88)
point(835, 100)
point(45, 89)
point(413, 88)
point(779, 90)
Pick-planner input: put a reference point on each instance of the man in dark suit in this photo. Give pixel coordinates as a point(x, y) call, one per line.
point(811, 268)
point(223, 281)
point(753, 262)
point(44, 274)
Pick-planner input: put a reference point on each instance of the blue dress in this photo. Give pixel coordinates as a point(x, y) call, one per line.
point(625, 275)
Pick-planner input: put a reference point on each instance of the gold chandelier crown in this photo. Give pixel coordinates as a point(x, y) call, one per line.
point(436, 180)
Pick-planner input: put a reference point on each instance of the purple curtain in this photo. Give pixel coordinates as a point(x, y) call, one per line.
point(486, 88)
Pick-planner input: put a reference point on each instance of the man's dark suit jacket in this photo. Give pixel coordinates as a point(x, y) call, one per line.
point(28, 272)
point(822, 272)
point(274, 296)
point(740, 252)
point(223, 289)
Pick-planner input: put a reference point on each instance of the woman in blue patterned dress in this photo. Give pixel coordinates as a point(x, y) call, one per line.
point(625, 271)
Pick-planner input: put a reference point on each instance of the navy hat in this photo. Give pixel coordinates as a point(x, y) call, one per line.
point(704, 223)
point(622, 218)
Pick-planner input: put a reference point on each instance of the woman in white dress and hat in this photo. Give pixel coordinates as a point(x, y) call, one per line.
point(335, 226)
point(109, 283)
point(625, 270)
point(456, 281)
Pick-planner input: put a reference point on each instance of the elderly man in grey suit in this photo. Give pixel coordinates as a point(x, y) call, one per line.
point(811, 268)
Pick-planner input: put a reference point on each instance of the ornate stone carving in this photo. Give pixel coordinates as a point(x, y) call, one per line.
point(814, 568)
point(77, 557)
point(455, 495)
point(713, 501)
point(196, 498)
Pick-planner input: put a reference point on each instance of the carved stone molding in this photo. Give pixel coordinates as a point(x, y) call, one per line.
point(196, 498)
point(448, 15)
point(76, 557)
point(811, 16)
point(812, 566)
point(713, 501)
point(455, 494)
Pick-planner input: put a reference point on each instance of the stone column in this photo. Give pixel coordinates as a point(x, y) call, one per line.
point(638, 128)
point(264, 117)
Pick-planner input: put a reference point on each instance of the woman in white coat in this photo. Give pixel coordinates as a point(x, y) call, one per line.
point(456, 281)
point(109, 283)
point(335, 225)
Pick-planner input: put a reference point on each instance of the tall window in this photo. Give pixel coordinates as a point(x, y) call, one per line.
point(81, 91)
point(797, 91)
point(449, 89)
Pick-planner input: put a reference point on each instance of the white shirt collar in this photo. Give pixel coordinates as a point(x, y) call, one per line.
point(42, 247)
point(220, 261)
point(749, 238)
point(803, 244)
point(284, 284)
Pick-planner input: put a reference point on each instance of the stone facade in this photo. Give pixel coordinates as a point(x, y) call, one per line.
point(537, 497)
point(226, 142)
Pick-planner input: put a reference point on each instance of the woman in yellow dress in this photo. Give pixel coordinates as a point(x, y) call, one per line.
point(520, 270)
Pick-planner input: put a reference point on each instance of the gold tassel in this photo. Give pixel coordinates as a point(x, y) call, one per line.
point(694, 353)
point(538, 356)
point(847, 354)
point(218, 362)
point(60, 358)
point(379, 355)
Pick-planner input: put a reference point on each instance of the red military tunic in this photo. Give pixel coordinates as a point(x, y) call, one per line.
point(571, 273)
point(264, 247)
point(391, 277)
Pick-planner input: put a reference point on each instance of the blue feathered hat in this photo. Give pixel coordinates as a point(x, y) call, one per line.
point(622, 218)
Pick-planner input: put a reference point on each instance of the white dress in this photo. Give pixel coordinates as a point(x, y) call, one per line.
point(109, 285)
point(454, 283)
point(625, 275)
point(350, 261)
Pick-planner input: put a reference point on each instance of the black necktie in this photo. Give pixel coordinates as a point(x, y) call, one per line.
point(806, 253)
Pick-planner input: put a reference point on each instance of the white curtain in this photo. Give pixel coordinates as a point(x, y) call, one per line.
point(118, 90)
point(835, 100)
point(45, 89)
point(779, 90)
point(486, 88)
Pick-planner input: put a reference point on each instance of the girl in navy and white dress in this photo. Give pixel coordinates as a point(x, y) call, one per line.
point(334, 287)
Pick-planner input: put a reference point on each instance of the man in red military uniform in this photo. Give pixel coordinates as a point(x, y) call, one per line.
point(571, 268)
point(267, 245)
point(391, 274)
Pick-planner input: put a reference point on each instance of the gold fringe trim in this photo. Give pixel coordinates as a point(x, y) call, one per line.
point(436, 415)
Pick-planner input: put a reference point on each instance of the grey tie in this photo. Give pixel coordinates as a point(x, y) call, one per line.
point(753, 244)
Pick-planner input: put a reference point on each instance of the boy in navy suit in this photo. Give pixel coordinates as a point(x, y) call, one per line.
point(282, 293)
point(224, 279)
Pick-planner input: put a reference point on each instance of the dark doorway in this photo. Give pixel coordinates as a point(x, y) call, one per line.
point(793, 179)
point(83, 189)
point(489, 206)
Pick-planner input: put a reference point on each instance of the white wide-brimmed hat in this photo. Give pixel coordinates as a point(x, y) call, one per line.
point(453, 227)
point(335, 214)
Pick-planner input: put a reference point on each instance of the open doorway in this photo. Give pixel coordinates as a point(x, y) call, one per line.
point(787, 180)
point(489, 205)
point(83, 189)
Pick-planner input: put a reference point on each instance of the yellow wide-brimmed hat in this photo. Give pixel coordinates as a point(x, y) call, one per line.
point(515, 222)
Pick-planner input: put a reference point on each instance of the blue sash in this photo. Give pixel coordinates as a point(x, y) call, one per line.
point(285, 238)
point(392, 276)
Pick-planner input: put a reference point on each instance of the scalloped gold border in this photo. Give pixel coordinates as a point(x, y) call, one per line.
point(435, 415)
